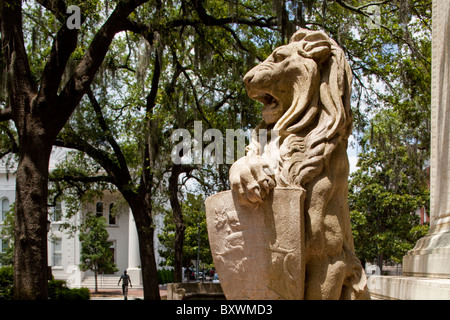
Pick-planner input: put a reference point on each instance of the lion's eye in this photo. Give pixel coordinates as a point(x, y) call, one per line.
point(279, 56)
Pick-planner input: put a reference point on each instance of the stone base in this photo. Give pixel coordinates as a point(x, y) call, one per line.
point(194, 291)
point(135, 276)
point(433, 265)
point(430, 257)
point(408, 288)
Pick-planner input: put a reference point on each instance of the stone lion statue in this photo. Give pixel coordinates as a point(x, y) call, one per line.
point(305, 87)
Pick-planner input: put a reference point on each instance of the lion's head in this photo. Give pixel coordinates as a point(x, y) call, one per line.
point(305, 87)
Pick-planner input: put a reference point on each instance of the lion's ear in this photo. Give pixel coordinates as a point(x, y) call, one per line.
point(313, 44)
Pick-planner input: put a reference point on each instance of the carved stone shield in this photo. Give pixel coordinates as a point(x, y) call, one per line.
point(258, 250)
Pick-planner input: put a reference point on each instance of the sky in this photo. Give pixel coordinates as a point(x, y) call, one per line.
point(352, 152)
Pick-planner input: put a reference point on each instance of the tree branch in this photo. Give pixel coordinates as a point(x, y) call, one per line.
point(223, 101)
point(73, 141)
point(107, 131)
point(209, 20)
point(14, 146)
point(57, 7)
point(204, 19)
point(83, 179)
point(151, 139)
point(5, 114)
point(359, 9)
point(80, 81)
point(63, 46)
point(20, 86)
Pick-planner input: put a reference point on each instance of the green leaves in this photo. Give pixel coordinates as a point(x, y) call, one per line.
point(95, 249)
point(195, 220)
point(388, 188)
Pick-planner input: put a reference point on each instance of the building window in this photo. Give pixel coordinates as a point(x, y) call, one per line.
point(57, 211)
point(112, 215)
point(5, 209)
point(57, 252)
point(99, 209)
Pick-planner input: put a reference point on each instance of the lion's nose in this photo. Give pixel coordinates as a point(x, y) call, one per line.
point(248, 77)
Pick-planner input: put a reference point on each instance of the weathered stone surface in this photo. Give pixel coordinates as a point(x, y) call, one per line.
point(194, 291)
point(409, 288)
point(305, 87)
point(258, 250)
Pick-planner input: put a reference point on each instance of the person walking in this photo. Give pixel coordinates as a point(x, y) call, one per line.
point(125, 281)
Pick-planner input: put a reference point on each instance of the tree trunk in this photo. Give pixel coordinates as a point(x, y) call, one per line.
point(180, 226)
point(30, 251)
point(30, 262)
point(380, 262)
point(39, 112)
point(148, 262)
point(96, 277)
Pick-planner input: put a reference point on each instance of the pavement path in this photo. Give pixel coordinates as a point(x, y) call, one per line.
point(116, 294)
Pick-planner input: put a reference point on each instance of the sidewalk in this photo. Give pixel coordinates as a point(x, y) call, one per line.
point(116, 294)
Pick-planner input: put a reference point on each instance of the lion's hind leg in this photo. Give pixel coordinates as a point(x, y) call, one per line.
point(324, 278)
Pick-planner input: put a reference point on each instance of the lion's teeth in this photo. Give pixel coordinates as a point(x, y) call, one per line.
point(270, 106)
point(273, 104)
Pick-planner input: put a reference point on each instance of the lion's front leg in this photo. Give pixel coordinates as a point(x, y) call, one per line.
point(252, 178)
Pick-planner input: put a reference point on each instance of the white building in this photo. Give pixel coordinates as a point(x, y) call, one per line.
point(64, 248)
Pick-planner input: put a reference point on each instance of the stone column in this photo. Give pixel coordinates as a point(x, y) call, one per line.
point(431, 255)
point(134, 259)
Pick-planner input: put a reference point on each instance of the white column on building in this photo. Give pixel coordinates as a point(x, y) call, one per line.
point(134, 260)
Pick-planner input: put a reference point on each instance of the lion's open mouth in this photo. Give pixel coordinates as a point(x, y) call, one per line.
point(269, 101)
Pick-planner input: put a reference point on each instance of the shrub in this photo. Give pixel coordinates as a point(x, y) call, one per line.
point(6, 283)
point(57, 290)
point(74, 294)
point(165, 276)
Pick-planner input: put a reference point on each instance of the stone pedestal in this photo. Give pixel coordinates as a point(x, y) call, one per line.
point(194, 291)
point(408, 288)
point(431, 255)
point(426, 268)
